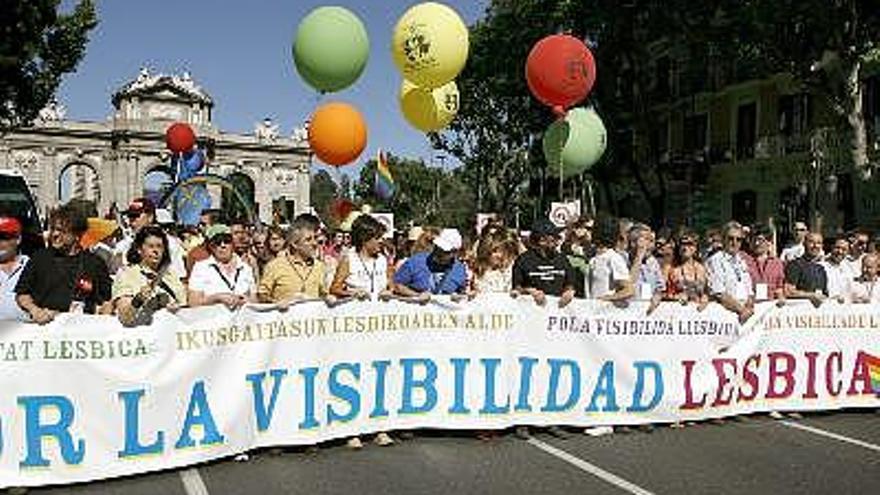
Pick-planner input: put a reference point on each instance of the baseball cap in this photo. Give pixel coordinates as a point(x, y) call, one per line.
point(543, 226)
point(140, 205)
point(10, 226)
point(448, 240)
point(216, 230)
point(163, 216)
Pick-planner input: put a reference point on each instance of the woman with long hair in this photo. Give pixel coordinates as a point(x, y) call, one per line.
point(688, 279)
point(493, 264)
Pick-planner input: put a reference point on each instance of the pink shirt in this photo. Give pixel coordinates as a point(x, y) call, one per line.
point(771, 272)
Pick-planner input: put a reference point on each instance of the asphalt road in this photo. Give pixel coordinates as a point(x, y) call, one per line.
point(835, 453)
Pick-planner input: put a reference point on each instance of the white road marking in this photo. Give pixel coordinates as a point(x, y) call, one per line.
point(829, 434)
point(590, 468)
point(192, 482)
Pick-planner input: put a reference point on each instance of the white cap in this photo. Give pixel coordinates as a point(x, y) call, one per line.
point(163, 216)
point(448, 240)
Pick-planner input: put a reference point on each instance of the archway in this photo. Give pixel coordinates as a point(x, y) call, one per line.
point(79, 180)
point(157, 183)
point(245, 188)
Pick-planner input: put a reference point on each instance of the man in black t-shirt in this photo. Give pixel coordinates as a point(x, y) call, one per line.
point(543, 270)
point(805, 277)
point(64, 277)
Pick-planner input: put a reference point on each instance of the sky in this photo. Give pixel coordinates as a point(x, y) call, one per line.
point(240, 53)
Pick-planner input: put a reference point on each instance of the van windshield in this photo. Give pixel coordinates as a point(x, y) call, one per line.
point(15, 200)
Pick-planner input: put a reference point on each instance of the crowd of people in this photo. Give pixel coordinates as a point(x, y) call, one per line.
point(150, 263)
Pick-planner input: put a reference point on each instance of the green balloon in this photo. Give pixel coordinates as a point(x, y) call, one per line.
point(575, 144)
point(331, 48)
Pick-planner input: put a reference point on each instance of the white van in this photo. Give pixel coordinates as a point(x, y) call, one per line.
point(16, 200)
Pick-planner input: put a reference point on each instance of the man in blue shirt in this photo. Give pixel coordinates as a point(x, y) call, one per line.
point(11, 266)
point(437, 272)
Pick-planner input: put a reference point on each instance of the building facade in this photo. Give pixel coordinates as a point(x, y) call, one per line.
point(125, 157)
point(759, 149)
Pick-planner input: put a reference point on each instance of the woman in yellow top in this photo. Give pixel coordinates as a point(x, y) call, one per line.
point(146, 285)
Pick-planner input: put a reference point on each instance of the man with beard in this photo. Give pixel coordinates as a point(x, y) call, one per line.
point(64, 277)
point(11, 266)
point(437, 272)
point(805, 277)
point(543, 270)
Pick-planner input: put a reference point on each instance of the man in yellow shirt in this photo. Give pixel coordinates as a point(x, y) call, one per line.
point(297, 274)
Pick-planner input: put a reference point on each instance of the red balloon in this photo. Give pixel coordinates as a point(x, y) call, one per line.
point(560, 71)
point(180, 138)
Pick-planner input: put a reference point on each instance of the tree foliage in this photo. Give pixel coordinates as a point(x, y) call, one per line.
point(38, 46)
point(424, 195)
point(322, 191)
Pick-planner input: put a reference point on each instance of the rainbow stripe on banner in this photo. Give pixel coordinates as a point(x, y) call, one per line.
point(384, 181)
point(873, 364)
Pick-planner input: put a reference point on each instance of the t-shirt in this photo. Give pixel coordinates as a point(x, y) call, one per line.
point(418, 274)
point(9, 309)
point(284, 278)
point(209, 278)
point(551, 275)
point(581, 266)
point(807, 275)
point(607, 270)
point(51, 278)
point(369, 274)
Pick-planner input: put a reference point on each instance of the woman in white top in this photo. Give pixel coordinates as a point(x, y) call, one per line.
point(493, 269)
point(224, 278)
point(866, 288)
point(363, 272)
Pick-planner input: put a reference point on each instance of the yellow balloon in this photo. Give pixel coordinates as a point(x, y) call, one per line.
point(429, 110)
point(430, 44)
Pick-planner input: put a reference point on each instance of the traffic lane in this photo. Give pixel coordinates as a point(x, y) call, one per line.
point(426, 465)
point(165, 483)
point(861, 425)
point(751, 457)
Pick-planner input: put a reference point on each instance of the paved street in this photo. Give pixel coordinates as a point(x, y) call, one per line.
point(834, 453)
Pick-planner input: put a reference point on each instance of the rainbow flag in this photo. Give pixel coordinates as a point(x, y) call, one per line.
point(873, 364)
point(384, 187)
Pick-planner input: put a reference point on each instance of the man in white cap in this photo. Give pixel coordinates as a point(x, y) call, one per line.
point(437, 272)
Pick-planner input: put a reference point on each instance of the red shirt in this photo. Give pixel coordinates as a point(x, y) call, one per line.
point(771, 271)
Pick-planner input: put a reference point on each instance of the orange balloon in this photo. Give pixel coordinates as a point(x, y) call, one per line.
point(337, 133)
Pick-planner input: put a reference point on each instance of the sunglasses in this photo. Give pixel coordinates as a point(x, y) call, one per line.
point(221, 239)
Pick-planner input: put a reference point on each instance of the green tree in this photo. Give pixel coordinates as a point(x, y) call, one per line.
point(825, 45)
point(424, 195)
point(323, 190)
point(37, 47)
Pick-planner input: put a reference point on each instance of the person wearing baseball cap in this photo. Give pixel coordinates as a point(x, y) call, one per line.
point(435, 272)
point(542, 270)
point(11, 265)
point(223, 278)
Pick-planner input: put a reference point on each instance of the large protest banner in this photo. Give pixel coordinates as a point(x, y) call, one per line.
point(84, 398)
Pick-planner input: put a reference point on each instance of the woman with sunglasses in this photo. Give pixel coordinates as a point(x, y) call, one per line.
point(688, 280)
point(223, 278)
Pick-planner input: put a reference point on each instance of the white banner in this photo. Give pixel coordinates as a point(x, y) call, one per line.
point(207, 383)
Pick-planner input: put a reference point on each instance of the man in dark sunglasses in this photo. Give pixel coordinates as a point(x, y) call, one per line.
point(729, 281)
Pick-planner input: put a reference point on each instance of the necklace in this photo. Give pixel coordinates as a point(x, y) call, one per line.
point(371, 273)
point(299, 274)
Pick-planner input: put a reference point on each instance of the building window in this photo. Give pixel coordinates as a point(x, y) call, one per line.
point(660, 141)
point(662, 77)
point(744, 207)
point(79, 181)
point(696, 133)
point(795, 121)
point(746, 131)
point(871, 105)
